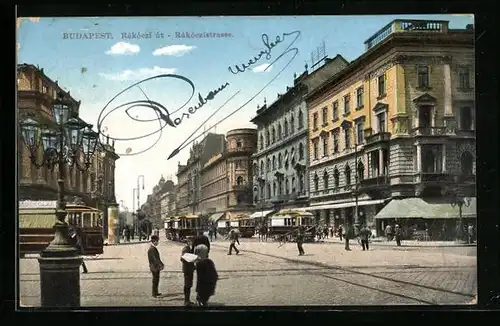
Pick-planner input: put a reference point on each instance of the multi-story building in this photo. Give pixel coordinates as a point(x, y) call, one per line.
point(398, 122)
point(281, 161)
point(36, 93)
point(189, 183)
point(227, 177)
point(157, 202)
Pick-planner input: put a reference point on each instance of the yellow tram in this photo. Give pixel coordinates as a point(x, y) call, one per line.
point(283, 225)
point(246, 225)
point(179, 227)
point(36, 226)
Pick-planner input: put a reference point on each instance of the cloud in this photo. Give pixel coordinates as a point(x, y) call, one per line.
point(175, 50)
point(138, 74)
point(262, 67)
point(18, 46)
point(124, 48)
point(34, 19)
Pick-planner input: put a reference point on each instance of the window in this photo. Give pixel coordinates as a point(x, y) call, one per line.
point(374, 163)
point(268, 139)
point(293, 185)
point(286, 128)
point(315, 121)
point(261, 167)
point(423, 76)
point(239, 180)
point(325, 145)
point(360, 170)
point(325, 116)
point(287, 187)
point(315, 149)
point(292, 125)
point(261, 142)
point(274, 163)
point(268, 191)
point(425, 116)
point(301, 120)
point(347, 109)
point(336, 177)
point(464, 78)
point(301, 182)
point(268, 165)
point(239, 144)
point(431, 158)
point(274, 188)
point(280, 132)
point(301, 151)
point(347, 138)
point(359, 97)
point(335, 111)
point(359, 132)
point(347, 175)
point(381, 85)
point(381, 122)
point(280, 161)
point(273, 132)
point(325, 181)
point(335, 136)
point(44, 89)
point(316, 182)
point(466, 118)
point(286, 158)
point(466, 163)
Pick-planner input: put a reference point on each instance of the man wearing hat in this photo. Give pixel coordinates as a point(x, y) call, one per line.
point(188, 271)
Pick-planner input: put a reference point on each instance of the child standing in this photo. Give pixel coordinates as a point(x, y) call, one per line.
point(206, 275)
point(188, 271)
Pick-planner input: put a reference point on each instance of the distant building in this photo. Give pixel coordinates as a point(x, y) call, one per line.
point(155, 206)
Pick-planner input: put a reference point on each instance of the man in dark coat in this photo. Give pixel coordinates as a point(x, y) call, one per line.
point(188, 271)
point(206, 276)
point(201, 239)
point(234, 238)
point(155, 264)
point(364, 235)
point(300, 240)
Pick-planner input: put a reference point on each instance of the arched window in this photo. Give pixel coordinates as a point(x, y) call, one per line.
point(239, 180)
point(286, 158)
point(268, 139)
point(268, 165)
point(261, 167)
point(286, 128)
point(239, 144)
point(301, 151)
point(336, 177)
point(361, 170)
point(467, 163)
point(347, 174)
point(255, 169)
point(280, 161)
point(273, 133)
point(293, 185)
point(325, 180)
point(316, 182)
point(292, 125)
point(261, 142)
point(274, 162)
point(280, 131)
point(268, 190)
point(301, 120)
point(287, 187)
point(293, 156)
point(274, 188)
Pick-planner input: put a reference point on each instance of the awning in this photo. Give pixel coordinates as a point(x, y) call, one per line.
point(342, 205)
point(261, 214)
point(45, 221)
point(292, 213)
point(420, 208)
point(215, 217)
point(237, 215)
point(191, 216)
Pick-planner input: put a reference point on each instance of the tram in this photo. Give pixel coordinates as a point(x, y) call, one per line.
point(36, 226)
point(179, 227)
point(246, 225)
point(283, 225)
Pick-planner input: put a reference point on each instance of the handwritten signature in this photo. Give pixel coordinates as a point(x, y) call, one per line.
point(164, 115)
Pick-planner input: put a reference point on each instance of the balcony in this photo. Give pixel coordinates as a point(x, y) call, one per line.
point(466, 133)
point(374, 182)
point(428, 131)
point(432, 177)
point(241, 150)
point(285, 198)
point(241, 187)
point(378, 137)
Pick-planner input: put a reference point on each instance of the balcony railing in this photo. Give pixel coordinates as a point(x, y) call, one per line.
point(407, 26)
point(428, 131)
point(432, 177)
point(372, 182)
point(378, 137)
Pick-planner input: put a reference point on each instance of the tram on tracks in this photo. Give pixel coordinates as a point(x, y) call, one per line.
point(179, 227)
point(36, 226)
point(247, 225)
point(283, 225)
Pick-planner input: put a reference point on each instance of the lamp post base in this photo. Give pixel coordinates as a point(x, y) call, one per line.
point(60, 276)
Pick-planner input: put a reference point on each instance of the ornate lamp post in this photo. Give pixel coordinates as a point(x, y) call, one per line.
point(71, 143)
point(459, 201)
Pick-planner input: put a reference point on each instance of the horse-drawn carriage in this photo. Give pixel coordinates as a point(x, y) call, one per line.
point(36, 226)
point(283, 225)
point(179, 227)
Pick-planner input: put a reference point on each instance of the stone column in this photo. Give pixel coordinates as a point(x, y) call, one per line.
point(444, 158)
point(448, 111)
point(113, 226)
point(419, 158)
point(380, 162)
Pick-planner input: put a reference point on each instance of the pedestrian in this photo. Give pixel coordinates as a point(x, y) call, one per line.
point(300, 240)
point(233, 236)
point(155, 264)
point(340, 232)
point(470, 233)
point(347, 234)
point(325, 233)
point(77, 236)
point(398, 233)
point(206, 275)
point(211, 234)
point(331, 231)
point(201, 239)
point(188, 271)
point(364, 235)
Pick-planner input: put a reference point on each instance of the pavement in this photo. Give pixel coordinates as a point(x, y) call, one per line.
point(269, 274)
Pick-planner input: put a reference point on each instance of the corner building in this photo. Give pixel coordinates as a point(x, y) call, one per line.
point(396, 125)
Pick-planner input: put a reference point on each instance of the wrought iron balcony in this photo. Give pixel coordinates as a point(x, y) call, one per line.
point(378, 137)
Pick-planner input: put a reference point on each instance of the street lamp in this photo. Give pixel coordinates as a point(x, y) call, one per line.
point(72, 142)
point(139, 178)
point(459, 201)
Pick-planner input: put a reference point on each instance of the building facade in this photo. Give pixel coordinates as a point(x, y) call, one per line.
point(189, 175)
point(36, 93)
point(280, 163)
point(397, 122)
point(158, 205)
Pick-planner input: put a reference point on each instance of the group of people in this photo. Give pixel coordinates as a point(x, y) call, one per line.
point(206, 273)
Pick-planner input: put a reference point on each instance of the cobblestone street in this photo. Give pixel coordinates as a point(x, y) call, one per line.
point(270, 274)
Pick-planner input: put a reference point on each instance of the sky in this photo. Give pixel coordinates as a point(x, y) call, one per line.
point(129, 50)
